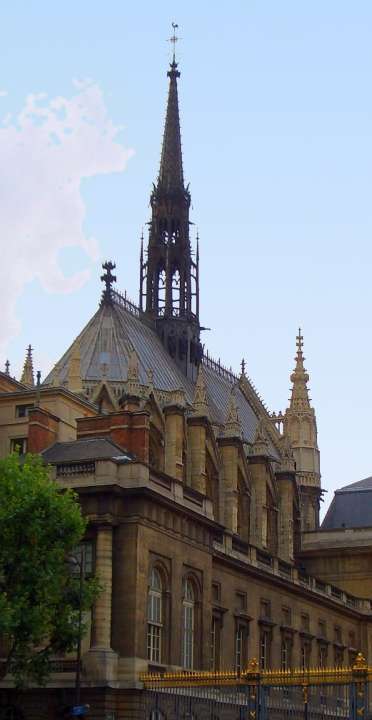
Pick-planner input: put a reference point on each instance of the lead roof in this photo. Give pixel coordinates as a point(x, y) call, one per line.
point(351, 507)
point(105, 345)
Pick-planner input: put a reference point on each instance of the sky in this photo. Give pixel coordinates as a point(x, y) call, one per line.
point(276, 111)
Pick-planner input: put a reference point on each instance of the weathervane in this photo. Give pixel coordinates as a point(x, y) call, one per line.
point(174, 39)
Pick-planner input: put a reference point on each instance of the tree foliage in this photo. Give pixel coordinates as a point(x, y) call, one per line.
point(40, 527)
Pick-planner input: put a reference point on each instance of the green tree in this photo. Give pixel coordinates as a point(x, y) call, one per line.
point(40, 526)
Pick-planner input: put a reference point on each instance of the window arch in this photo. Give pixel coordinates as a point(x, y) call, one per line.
point(188, 624)
point(161, 289)
point(176, 292)
point(155, 616)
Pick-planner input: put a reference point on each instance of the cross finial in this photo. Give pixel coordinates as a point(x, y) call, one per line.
point(173, 40)
point(108, 278)
point(299, 341)
point(242, 365)
point(7, 366)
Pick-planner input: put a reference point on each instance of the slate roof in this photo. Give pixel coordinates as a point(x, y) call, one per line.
point(351, 507)
point(116, 329)
point(85, 449)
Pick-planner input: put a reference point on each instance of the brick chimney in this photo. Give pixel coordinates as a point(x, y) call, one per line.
point(128, 429)
point(42, 429)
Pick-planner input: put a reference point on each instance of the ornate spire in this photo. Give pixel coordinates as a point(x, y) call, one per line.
point(300, 396)
point(200, 403)
point(28, 369)
point(169, 274)
point(108, 278)
point(299, 426)
point(171, 170)
point(232, 423)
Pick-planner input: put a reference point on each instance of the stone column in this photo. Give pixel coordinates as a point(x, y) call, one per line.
point(285, 534)
point(101, 661)
point(258, 470)
point(229, 454)
point(101, 631)
point(197, 452)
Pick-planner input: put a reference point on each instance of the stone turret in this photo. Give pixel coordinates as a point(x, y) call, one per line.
point(301, 430)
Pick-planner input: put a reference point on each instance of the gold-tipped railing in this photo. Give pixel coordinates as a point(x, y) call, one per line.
point(360, 670)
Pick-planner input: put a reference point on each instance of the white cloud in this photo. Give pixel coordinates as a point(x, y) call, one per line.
point(46, 150)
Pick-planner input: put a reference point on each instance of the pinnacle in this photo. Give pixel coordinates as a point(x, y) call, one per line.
point(133, 383)
point(260, 443)
point(200, 402)
point(232, 423)
point(28, 369)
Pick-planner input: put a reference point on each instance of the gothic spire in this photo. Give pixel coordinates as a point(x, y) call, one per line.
point(300, 396)
point(169, 276)
point(299, 426)
point(28, 369)
point(171, 170)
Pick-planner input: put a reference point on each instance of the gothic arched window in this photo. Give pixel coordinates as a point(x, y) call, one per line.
point(176, 292)
point(161, 291)
point(188, 624)
point(155, 617)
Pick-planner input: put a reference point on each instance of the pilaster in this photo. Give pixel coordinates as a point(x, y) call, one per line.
point(174, 432)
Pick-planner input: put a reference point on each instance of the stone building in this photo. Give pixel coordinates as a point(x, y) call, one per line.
point(200, 502)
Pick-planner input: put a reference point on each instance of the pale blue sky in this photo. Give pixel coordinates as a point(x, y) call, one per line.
point(276, 111)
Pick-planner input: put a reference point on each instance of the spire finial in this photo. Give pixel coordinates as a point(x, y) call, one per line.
point(299, 341)
point(7, 367)
point(242, 366)
point(300, 378)
point(108, 278)
point(173, 40)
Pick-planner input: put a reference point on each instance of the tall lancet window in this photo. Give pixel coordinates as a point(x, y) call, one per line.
point(188, 625)
point(161, 291)
point(176, 291)
point(155, 617)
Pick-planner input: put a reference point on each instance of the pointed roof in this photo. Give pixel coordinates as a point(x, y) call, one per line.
point(300, 395)
point(28, 369)
point(171, 170)
point(108, 340)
